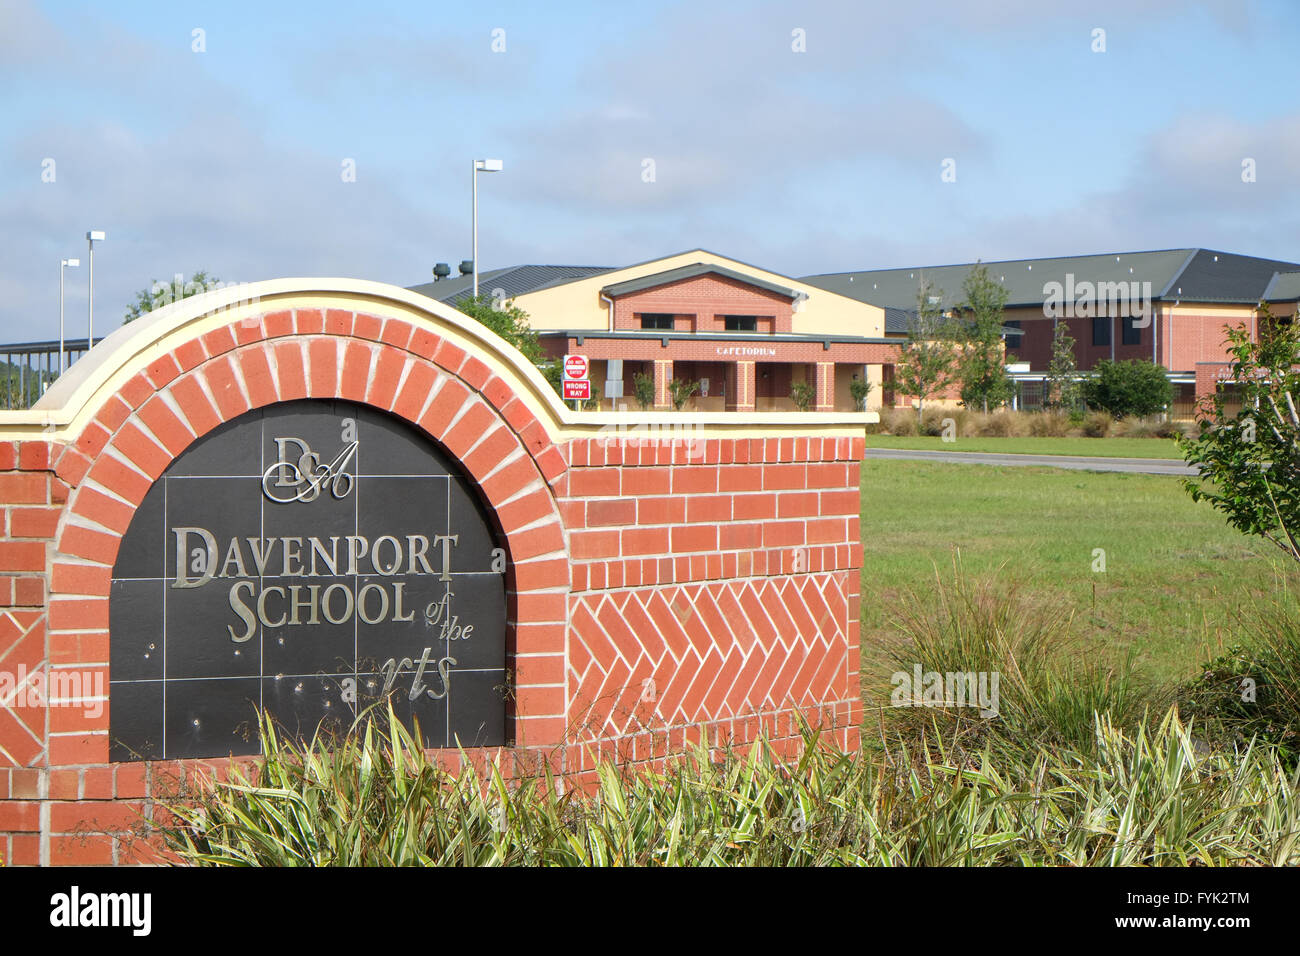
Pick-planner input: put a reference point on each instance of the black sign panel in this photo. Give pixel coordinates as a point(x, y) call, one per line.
point(308, 558)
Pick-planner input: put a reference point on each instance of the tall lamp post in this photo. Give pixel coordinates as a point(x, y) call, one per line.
point(485, 166)
point(91, 238)
point(63, 264)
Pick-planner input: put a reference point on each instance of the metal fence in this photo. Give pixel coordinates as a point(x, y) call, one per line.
point(28, 368)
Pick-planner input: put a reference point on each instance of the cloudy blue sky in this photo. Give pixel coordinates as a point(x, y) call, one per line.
point(828, 159)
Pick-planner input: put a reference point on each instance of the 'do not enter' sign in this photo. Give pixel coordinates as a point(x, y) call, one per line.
point(576, 366)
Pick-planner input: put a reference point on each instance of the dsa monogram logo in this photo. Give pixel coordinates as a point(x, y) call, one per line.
point(302, 478)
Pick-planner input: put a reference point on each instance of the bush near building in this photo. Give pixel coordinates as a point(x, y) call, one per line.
point(1129, 387)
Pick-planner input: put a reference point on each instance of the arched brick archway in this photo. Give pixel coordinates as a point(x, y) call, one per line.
point(391, 364)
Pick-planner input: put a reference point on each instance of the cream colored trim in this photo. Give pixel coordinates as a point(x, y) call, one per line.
point(76, 397)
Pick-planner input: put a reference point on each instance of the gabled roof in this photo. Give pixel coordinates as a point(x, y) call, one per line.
point(1224, 277)
point(512, 280)
point(1283, 287)
point(692, 271)
point(1200, 275)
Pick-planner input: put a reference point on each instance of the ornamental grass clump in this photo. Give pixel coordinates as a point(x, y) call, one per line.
point(1048, 684)
point(372, 797)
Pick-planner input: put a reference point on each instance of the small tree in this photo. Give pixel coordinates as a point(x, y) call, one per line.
point(681, 390)
point(1128, 387)
point(1064, 390)
point(859, 389)
point(802, 394)
point(643, 389)
point(511, 323)
point(981, 364)
point(508, 321)
point(159, 294)
point(926, 358)
point(1249, 461)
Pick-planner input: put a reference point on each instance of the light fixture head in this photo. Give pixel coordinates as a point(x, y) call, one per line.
point(95, 235)
point(72, 262)
point(489, 165)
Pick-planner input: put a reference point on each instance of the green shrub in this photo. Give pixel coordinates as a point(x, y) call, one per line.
point(1128, 387)
point(1247, 448)
point(680, 391)
point(643, 389)
point(859, 390)
point(802, 394)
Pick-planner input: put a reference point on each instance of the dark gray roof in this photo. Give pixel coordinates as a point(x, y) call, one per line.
point(1224, 277)
point(690, 272)
point(897, 321)
point(512, 280)
point(1200, 275)
point(1284, 287)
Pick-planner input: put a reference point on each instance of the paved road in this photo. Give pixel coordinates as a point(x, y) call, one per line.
point(1146, 466)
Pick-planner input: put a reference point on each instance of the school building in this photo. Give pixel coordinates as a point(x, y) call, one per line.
point(747, 335)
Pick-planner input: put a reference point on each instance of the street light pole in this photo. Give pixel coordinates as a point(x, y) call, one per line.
point(487, 166)
point(91, 237)
point(63, 264)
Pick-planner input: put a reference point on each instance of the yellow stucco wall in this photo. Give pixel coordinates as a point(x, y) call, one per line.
point(577, 305)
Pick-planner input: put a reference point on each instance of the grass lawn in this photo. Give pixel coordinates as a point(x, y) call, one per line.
point(1094, 447)
point(1175, 571)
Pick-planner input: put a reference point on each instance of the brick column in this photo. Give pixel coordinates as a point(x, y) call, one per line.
point(744, 386)
point(663, 375)
point(825, 386)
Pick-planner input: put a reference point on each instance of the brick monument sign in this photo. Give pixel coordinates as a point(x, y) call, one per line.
point(307, 495)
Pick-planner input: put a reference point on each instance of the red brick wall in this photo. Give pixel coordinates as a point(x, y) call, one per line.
point(1200, 338)
point(1195, 338)
point(704, 297)
point(1209, 375)
point(658, 590)
point(1036, 343)
point(715, 590)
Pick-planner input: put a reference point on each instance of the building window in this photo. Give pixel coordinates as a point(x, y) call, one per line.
point(1014, 342)
point(1132, 334)
point(658, 321)
point(1101, 330)
point(740, 323)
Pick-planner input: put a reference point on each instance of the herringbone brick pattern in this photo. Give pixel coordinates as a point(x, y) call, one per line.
point(22, 657)
point(665, 657)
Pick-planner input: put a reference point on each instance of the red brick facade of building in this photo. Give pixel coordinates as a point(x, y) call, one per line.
point(699, 305)
point(659, 593)
point(1183, 342)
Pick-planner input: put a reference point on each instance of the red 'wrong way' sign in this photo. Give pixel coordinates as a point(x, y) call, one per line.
point(577, 390)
